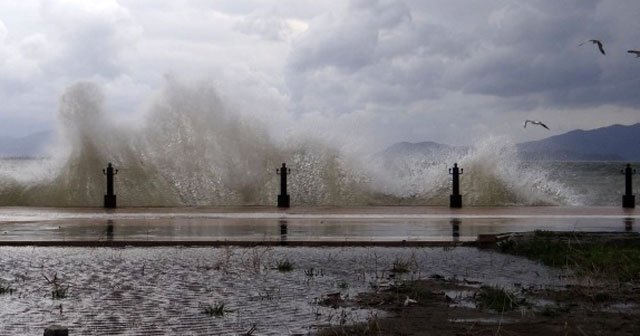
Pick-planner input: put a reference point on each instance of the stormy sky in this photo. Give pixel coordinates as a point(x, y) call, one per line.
point(361, 71)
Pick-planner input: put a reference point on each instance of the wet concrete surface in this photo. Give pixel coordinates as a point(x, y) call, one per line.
point(384, 225)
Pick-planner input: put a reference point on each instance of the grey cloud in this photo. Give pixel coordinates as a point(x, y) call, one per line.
point(355, 55)
point(347, 40)
point(268, 27)
point(524, 53)
point(534, 51)
point(92, 38)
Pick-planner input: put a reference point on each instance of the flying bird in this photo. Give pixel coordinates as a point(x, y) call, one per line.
point(636, 52)
point(535, 122)
point(596, 42)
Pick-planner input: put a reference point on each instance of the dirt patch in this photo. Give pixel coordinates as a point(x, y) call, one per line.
point(437, 306)
point(431, 307)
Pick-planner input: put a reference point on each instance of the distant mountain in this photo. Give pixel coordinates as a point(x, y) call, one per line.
point(32, 145)
point(612, 143)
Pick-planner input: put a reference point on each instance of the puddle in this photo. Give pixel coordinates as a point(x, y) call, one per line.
point(160, 291)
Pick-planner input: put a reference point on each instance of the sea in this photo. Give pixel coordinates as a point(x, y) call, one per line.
point(50, 183)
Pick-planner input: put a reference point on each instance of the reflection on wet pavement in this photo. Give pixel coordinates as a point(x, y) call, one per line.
point(337, 224)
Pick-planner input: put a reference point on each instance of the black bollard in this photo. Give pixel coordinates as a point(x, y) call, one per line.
point(455, 200)
point(56, 330)
point(628, 199)
point(110, 197)
point(283, 198)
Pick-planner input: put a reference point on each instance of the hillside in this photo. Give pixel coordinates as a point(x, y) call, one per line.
point(611, 143)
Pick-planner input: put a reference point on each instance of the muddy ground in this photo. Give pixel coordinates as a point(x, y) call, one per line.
point(439, 306)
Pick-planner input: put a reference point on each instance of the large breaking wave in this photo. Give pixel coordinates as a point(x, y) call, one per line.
point(194, 151)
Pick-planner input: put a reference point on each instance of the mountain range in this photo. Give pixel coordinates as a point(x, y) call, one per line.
point(611, 143)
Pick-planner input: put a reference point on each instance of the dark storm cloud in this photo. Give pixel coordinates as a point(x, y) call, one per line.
point(534, 51)
point(517, 51)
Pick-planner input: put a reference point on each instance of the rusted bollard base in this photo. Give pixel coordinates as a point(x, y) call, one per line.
point(56, 330)
point(628, 201)
point(283, 201)
point(455, 201)
point(110, 201)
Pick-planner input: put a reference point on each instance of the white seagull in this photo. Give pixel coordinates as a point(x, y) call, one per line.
point(535, 122)
point(636, 52)
point(596, 42)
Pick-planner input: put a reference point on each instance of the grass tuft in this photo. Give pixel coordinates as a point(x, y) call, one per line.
point(4, 290)
point(58, 290)
point(217, 309)
point(284, 265)
point(497, 299)
point(401, 265)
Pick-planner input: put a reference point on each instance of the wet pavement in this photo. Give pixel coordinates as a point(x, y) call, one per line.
point(267, 224)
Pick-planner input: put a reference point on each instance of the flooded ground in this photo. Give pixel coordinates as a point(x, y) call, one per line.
point(167, 290)
point(160, 291)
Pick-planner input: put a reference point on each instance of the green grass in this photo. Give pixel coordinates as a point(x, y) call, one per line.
point(58, 289)
point(59, 292)
point(497, 299)
point(284, 265)
point(401, 265)
point(217, 309)
point(5, 290)
point(619, 260)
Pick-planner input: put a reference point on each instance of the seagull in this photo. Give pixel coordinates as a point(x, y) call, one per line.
point(535, 122)
point(636, 52)
point(595, 42)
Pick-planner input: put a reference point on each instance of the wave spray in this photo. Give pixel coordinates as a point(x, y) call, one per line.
point(194, 151)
